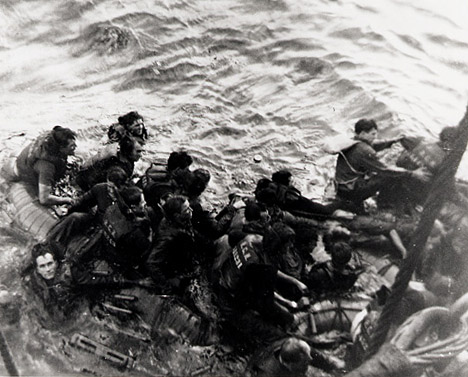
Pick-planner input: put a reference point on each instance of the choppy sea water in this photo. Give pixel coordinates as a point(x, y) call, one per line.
point(227, 80)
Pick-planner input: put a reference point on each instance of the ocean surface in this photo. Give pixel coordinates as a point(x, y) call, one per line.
point(225, 80)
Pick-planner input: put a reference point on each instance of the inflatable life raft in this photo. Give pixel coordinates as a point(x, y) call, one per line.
point(28, 213)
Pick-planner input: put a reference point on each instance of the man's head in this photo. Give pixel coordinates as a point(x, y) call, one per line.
point(295, 356)
point(282, 177)
point(447, 137)
point(198, 182)
point(130, 148)
point(134, 199)
point(341, 254)
point(134, 124)
point(44, 260)
point(179, 160)
point(117, 176)
point(177, 210)
point(366, 130)
point(62, 141)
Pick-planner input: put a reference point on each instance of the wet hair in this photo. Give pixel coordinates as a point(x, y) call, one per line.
point(333, 236)
point(58, 138)
point(341, 253)
point(198, 182)
point(129, 118)
point(448, 135)
point(179, 160)
point(364, 125)
point(295, 351)
point(117, 175)
point(173, 206)
point(282, 177)
point(41, 249)
point(262, 183)
point(267, 196)
point(253, 210)
point(131, 195)
point(275, 237)
point(127, 145)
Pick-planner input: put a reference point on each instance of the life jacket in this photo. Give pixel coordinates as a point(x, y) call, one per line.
point(37, 151)
point(333, 279)
point(419, 153)
point(244, 253)
point(156, 182)
point(115, 221)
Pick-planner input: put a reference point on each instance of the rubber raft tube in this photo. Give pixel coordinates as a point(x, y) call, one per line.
point(28, 213)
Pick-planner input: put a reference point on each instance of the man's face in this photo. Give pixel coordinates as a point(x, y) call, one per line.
point(186, 212)
point(69, 149)
point(369, 136)
point(46, 266)
point(137, 152)
point(136, 128)
point(140, 208)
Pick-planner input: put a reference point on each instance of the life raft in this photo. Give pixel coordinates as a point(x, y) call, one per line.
point(28, 213)
point(332, 314)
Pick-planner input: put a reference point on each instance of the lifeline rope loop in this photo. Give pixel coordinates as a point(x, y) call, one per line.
point(432, 207)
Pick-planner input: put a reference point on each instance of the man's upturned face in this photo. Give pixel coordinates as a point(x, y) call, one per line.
point(136, 128)
point(369, 136)
point(186, 212)
point(69, 149)
point(46, 266)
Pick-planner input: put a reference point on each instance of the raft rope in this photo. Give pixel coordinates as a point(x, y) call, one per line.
point(431, 210)
point(7, 357)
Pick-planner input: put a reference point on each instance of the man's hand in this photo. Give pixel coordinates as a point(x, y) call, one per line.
point(145, 283)
point(421, 174)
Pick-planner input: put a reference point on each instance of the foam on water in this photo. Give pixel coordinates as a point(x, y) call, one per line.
point(228, 79)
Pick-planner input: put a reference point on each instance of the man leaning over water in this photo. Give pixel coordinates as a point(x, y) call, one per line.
point(359, 172)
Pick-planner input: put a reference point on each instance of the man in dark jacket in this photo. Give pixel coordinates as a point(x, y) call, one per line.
point(359, 172)
point(173, 259)
point(129, 152)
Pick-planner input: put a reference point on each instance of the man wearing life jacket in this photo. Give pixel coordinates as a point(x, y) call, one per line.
point(247, 281)
point(44, 162)
point(420, 153)
point(89, 207)
point(131, 124)
point(129, 152)
point(359, 172)
point(173, 261)
point(54, 285)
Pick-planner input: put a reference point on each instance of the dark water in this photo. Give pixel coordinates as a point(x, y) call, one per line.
point(226, 80)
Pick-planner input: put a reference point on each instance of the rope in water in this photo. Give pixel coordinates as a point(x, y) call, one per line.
point(7, 357)
point(432, 208)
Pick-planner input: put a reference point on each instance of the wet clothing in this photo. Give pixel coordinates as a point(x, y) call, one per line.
point(56, 299)
point(209, 226)
point(290, 199)
point(173, 255)
point(101, 196)
point(360, 173)
point(81, 216)
point(37, 165)
point(96, 173)
point(419, 153)
point(324, 277)
point(267, 362)
point(56, 295)
point(246, 282)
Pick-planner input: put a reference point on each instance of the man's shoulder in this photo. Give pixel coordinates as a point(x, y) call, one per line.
point(360, 150)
